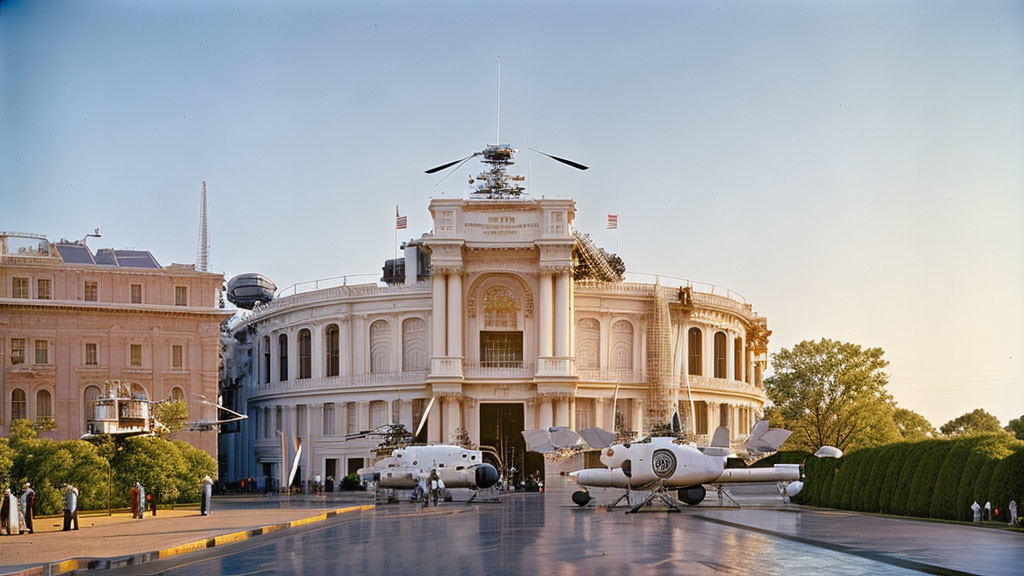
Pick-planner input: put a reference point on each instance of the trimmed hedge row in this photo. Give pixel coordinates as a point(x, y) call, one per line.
point(936, 478)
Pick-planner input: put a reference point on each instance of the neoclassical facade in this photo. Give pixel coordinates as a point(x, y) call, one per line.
point(504, 339)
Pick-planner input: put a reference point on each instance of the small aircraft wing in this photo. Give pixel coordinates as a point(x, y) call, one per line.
point(720, 439)
point(538, 441)
point(597, 437)
point(770, 441)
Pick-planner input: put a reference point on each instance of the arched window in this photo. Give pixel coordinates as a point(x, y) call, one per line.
point(696, 358)
point(588, 344)
point(414, 344)
point(737, 359)
point(305, 354)
point(622, 345)
point(44, 404)
point(138, 391)
point(719, 354)
point(177, 394)
point(378, 413)
point(380, 346)
point(19, 406)
point(333, 354)
point(266, 359)
point(701, 420)
point(501, 308)
point(90, 394)
point(282, 358)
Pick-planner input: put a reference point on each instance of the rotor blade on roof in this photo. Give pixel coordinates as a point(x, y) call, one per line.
point(452, 171)
point(567, 162)
point(452, 163)
point(538, 441)
point(760, 427)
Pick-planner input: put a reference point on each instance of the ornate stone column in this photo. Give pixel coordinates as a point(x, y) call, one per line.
point(545, 316)
point(405, 415)
point(452, 417)
point(438, 316)
point(546, 417)
point(530, 414)
point(455, 314)
point(572, 412)
point(364, 415)
point(434, 424)
point(562, 411)
point(599, 414)
point(562, 315)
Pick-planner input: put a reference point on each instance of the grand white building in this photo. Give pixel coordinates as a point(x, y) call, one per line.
point(496, 329)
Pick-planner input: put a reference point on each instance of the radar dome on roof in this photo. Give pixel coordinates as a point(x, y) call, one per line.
point(248, 290)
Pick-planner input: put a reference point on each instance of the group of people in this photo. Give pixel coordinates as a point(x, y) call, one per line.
point(993, 514)
point(140, 500)
point(17, 514)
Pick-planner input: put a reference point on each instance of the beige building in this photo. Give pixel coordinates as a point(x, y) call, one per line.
point(501, 334)
point(71, 320)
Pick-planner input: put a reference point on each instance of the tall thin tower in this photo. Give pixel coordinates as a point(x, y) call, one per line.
point(203, 252)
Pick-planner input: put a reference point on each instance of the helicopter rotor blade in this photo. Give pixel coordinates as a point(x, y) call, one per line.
point(575, 165)
point(452, 163)
point(452, 171)
point(426, 413)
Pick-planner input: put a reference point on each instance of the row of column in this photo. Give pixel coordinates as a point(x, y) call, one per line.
point(554, 316)
point(446, 310)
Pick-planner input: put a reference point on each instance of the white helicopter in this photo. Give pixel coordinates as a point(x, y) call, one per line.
point(408, 467)
point(660, 464)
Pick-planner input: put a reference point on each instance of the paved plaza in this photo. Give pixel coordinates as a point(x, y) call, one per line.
point(541, 534)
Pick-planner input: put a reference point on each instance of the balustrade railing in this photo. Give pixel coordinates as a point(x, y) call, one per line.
point(329, 382)
point(556, 366)
point(610, 375)
point(499, 370)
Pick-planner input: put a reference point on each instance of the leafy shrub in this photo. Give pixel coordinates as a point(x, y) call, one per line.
point(922, 485)
point(350, 482)
point(900, 499)
point(1008, 481)
point(892, 476)
point(987, 448)
point(947, 480)
point(883, 459)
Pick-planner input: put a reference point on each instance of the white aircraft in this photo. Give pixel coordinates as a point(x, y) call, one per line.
point(408, 467)
point(660, 465)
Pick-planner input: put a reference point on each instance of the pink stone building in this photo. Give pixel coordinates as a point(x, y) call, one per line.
point(71, 320)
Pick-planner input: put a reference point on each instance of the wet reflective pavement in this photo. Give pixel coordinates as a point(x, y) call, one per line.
point(545, 534)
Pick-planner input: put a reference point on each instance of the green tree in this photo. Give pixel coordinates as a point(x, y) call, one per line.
point(172, 415)
point(155, 462)
point(1016, 427)
point(832, 393)
point(6, 461)
point(912, 426)
point(197, 464)
point(48, 465)
point(977, 421)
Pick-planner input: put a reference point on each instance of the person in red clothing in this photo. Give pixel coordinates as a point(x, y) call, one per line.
point(133, 497)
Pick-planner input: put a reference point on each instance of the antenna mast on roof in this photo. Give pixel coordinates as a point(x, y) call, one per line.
point(203, 255)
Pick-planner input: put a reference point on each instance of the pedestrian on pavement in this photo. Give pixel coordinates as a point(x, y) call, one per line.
point(434, 485)
point(988, 510)
point(1013, 512)
point(207, 496)
point(142, 500)
point(151, 497)
point(70, 507)
point(28, 504)
point(976, 509)
point(9, 513)
point(133, 499)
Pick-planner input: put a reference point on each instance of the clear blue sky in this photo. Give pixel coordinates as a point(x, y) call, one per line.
point(853, 168)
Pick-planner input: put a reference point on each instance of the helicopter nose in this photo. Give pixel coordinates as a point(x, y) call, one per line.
point(486, 476)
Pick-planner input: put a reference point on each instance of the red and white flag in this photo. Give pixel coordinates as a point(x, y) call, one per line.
point(613, 222)
point(401, 222)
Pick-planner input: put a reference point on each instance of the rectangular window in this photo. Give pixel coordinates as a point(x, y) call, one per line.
point(501, 349)
point(329, 419)
point(42, 352)
point(43, 291)
point(278, 418)
point(92, 353)
point(19, 288)
point(177, 361)
point(136, 293)
point(135, 355)
point(181, 296)
point(17, 350)
point(396, 411)
point(92, 291)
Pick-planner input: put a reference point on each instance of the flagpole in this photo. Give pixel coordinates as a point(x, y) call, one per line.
point(394, 263)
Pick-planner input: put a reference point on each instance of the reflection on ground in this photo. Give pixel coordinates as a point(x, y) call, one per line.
point(545, 534)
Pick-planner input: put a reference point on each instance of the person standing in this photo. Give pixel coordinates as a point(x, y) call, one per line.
point(142, 499)
point(207, 496)
point(70, 507)
point(988, 511)
point(9, 513)
point(976, 509)
point(133, 499)
point(151, 498)
point(28, 504)
point(1013, 512)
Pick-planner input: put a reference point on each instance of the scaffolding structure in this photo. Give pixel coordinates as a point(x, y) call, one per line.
point(592, 255)
point(662, 389)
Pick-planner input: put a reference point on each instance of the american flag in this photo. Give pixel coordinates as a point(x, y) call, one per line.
point(401, 222)
point(613, 222)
